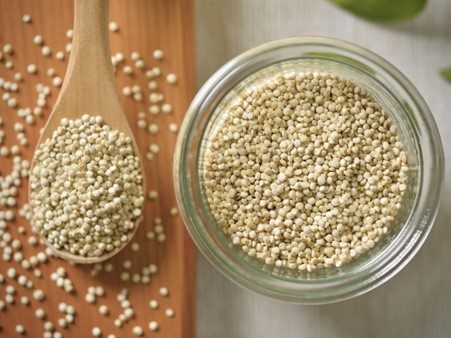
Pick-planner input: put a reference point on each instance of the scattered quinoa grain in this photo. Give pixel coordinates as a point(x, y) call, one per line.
point(171, 78)
point(169, 312)
point(39, 295)
point(127, 70)
point(70, 310)
point(37, 39)
point(152, 194)
point(154, 148)
point(11, 273)
point(152, 85)
point(20, 329)
point(62, 307)
point(32, 69)
point(51, 72)
point(137, 96)
point(62, 322)
point(154, 109)
point(127, 264)
point(158, 54)
point(153, 326)
point(22, 280)
point(99, 291)
point(153, 304)
point(173, 127)
point(32, 241)
point(103, 309)
point(57, 81)
point(138, 331)
point(127, 91)
point(135, 56)
point(125, 276)
point(140, 64)
point(9, 299)
point(59, 55)
point(40, 313)
point(69, 318)
point(90, 298)
point(156, 71)
point(163, 291)
point(24, 300)
point(129, 313)
point(96, 332)
point(48, 326)
point(153, 268)
point(45, 50)
point(26, 18)
point(166, 108)
point(18, 77)
point(150, 235)
point(152, 128)
point(8, 49)
point(113, 26)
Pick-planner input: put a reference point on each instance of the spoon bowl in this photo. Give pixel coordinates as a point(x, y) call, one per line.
point(89, 87)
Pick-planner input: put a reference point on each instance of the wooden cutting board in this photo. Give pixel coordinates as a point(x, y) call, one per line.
point(144, 25)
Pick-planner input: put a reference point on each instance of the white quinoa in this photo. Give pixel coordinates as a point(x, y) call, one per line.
point(86, 187)
point(305, 171)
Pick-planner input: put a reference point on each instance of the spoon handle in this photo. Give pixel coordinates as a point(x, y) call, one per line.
point(89, 80)
point(91, 45)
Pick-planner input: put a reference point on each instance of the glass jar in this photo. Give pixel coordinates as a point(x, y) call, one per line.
point(402, 102)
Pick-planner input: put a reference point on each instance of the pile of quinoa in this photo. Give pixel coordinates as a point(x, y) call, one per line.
point(86, 188)
point(306, 170)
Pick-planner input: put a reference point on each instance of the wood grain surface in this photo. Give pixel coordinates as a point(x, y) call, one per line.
point(416, 303)
point(144, 25)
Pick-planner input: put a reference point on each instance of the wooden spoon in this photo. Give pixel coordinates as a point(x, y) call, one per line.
point(90, 88)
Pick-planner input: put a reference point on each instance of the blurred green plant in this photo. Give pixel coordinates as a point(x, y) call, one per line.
point(446, 74)
point(383, 10)
point(387, 10)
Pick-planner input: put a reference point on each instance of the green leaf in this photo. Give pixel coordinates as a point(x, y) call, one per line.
point(383, 10)
point(446, 74)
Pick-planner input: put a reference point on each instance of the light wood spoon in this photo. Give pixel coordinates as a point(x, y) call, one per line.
point(90, 88)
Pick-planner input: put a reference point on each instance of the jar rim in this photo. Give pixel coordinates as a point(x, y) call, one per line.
point(398, 252)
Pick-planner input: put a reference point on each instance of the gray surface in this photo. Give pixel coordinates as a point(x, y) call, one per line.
point(416, 302)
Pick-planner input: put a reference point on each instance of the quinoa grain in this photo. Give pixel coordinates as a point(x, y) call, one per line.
point(99, 165)
point(306, 171)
